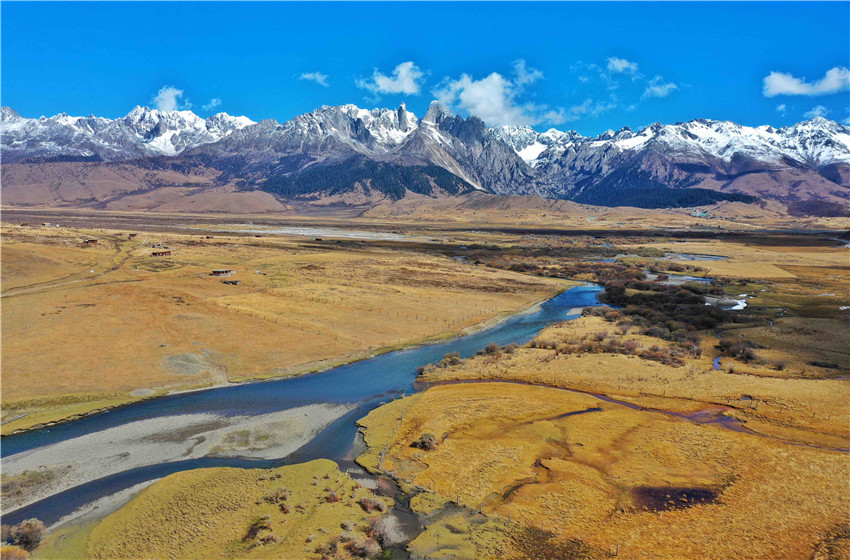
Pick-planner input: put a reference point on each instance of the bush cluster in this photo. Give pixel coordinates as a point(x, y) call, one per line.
point(27, 534)
point(12, 552)
point(450, 359)
point(380, 529)
point(360, 547)
point(371, 505)
point(276, 496)
point(602, 343)
point(426, 442)
point(741, 350)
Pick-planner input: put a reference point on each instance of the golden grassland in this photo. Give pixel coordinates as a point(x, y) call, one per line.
point(479, 211)
point(818, 406)
point(539, 454)
point(86, 327)
point(640, 459)
point(481, 208)
point(208, 513)
point(760, 258)
point(581, 467)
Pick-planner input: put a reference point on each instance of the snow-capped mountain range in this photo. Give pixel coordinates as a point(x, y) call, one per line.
point(143, 132)
point(337, 148)
point(815, 143)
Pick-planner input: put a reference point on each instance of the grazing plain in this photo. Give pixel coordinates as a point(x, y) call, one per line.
point(102, 324)
point(667, 425)
point(631, 432)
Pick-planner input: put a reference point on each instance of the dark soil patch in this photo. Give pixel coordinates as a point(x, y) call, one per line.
point(661, 498)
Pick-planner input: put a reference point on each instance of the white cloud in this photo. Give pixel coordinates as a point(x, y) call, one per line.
point(781, 109)
point(589, 108)
point(556, 116)
point(835, 80)
point(816, 111)
point(495, 99)
point(167, 98)
point(622, 66)
point(525, 75)
point(657, 87)
point(406, 78)
point(492, 99)
point(214, 102)
point(318, 77)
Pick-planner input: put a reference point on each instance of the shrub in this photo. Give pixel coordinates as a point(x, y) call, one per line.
point(28, 534)
point(371, 505)
point(450, 359)
point(11, 552)
point(276, 496)
point(510, 348)
point(330, 549)
point(748, 355)
point(630, 345)
point(364, 548)
point(426, 442)
point(5, 533)
point(380, 529)
point(492, 348)
point(332, 498)
point(612, 316)
point(268, 539)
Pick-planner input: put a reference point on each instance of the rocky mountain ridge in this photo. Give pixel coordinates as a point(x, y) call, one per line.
point(387, 152)
point(143, 132)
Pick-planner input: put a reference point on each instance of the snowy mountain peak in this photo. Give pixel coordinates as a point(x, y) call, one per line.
point(8, 114)
point(816, 142)
point(142, 132)
point(436, 113)
point(530, 144)
point(386, 127)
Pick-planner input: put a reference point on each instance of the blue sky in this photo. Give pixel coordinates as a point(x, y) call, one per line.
point(588, 67)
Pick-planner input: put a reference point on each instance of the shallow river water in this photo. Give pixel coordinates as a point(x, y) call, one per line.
point(365, 384)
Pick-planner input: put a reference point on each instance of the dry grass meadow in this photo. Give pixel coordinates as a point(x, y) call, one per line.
point(288, 512)
point(84, 327)
point(649, 483)
point(561, 448)
point(618, 455)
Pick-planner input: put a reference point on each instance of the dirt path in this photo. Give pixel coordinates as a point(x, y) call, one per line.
point(76, 277)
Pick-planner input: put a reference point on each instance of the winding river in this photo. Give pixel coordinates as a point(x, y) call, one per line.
point(361, 386)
